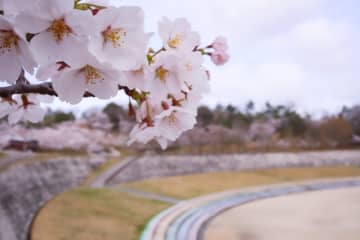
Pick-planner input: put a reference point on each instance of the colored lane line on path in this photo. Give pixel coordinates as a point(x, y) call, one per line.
point(188, 219)
point(146, 195)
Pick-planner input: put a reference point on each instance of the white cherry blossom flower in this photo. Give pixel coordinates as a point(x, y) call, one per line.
point(145, 130)
point(119, 37)
point(174, 121)
point(85, 73)
point(190, 99)
point(26, 108)
point(164, 76)
point(190, 70)
point(58, 29)
point(161, 123)
point(177, 35)
point(14, 53)
point(220, 55)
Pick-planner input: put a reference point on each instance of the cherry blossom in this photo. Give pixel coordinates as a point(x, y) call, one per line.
point(119, 37)
point(161, 122)
point(220, 55)
point(220, 44)
point(190, 70)
point(58, 29)
point(177, 35)
point(90, 48)
point(84, 72)
point(14, 52)
point(145, 129)
point(219, 58)
point(22, 107)
point(174, 121)
point(164, 76)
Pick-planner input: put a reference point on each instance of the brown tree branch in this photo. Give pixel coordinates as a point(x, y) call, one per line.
point(42, 89)
point(23, 86)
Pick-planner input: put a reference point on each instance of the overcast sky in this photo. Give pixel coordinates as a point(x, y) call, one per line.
point(300, 52)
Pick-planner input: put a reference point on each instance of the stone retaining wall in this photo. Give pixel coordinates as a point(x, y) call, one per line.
point(149, 166)
point(26, 188)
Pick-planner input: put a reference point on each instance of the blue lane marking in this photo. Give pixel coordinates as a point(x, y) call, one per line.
point(184, 224)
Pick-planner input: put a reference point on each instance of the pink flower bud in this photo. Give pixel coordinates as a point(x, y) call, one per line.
point(220, 44)
point(220, 58)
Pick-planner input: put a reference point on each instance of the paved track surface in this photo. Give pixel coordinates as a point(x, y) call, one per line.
point(322, 215)
point(191, 219)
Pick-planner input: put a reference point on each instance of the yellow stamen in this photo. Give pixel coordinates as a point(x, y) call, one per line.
point(175, 42)
point(172, 119)
point(189, 67)
point(162, 73)
point(8, 40)
point(115, 36)
point(92, 75)
point(59, 29)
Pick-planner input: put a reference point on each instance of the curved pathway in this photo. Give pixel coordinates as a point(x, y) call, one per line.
point(189, 219)
point(321, 215)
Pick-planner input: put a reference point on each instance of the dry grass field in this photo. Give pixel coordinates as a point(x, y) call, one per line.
point(87, 214)
point(196, 185)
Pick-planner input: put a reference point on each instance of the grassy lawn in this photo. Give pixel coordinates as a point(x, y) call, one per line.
point(87, 214)
point(196, 185)
point(2, 155)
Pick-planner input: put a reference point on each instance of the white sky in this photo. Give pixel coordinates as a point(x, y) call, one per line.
point(300, 52)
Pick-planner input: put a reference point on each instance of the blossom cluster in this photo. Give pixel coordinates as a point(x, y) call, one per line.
point(93, 47)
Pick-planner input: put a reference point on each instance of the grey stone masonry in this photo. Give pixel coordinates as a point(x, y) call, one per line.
point(25, 188)
point(149, 166)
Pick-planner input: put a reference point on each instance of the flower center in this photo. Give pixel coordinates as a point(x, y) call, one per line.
point(114, 36)
point(175, 42)
point(162, 73)
point(8, 40)
point(92, 75)
point(189, 67)
point(172, 119)
point(59, 29)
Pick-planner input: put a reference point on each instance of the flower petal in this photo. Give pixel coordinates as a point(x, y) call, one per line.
point(10, 67)
point(70, 86)
point(16, 116)
point(5, 109)
point(34, 114)
point(26, 57)
point(104, 89)
point(31, 24)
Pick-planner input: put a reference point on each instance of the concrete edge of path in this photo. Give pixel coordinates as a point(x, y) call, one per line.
point(105, 177)
point(188, 219)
